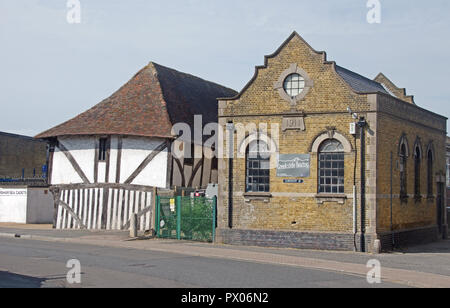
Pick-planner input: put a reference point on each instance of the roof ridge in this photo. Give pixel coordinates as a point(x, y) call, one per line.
point(155, 65)
point(148, 104)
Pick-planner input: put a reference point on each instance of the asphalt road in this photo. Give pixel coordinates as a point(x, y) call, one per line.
point(34, 264)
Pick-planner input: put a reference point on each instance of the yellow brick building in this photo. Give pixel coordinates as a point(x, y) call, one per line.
point(297, 155)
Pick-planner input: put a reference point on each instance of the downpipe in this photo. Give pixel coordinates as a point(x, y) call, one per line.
point(354, 217)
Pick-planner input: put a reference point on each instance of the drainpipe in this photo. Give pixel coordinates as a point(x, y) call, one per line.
point(362, 124)
point(354, 217)
point(354, 198)
point(230, 128)
point(47, 160)
point(392, 212)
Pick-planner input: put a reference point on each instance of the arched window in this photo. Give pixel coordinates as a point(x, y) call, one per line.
point(417, 160)
point(331, 167)
point(430, 173)
point(403, 161)
point(258, 167)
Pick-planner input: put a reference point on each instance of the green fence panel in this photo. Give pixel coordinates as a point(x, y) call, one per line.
point(167, 220)
point(186, 218)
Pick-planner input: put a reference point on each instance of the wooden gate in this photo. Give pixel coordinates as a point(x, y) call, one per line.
point(102, 206)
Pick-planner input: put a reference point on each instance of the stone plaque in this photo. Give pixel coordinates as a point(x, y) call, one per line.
point(293, 123)
point(294, 165)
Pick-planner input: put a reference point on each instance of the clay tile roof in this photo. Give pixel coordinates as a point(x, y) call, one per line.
point(148, 105)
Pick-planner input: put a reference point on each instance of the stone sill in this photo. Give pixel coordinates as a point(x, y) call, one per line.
point(339, 198)
point(249, 196)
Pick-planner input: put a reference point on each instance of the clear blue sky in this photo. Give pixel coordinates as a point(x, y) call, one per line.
point(51, 71)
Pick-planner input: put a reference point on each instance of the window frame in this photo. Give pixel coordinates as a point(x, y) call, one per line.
point(331, 169)
point(403, 172)
point(257, 161)
point(288, 84)
point(430, 167)
point(103, 146)
point(417, 178)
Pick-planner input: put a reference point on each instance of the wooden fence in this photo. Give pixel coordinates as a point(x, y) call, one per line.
point(102, 206)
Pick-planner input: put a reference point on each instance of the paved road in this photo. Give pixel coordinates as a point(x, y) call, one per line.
point(30, 263)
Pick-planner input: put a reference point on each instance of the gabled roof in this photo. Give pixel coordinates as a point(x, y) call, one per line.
point(148, 105)
point(359, 83)
point(393, 90)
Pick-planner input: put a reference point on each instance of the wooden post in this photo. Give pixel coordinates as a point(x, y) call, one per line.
point(133, 226)
point(178, 209)
point(157, 216)
point(56, 196)
point(154, 199)
point(214, 213)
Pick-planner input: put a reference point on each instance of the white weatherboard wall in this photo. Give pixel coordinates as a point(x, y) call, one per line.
point(26, 205)
point(83, 151)
point(134, 152)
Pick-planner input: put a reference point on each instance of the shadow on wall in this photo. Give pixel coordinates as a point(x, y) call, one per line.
point(10, 280)
point(439, 247)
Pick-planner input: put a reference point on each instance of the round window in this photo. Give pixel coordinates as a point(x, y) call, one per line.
point(294, 84)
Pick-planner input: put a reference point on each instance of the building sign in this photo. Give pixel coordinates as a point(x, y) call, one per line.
point(294, 165)
point(11, 192)
point(172, 205)
point(293, 123)
point(290, 181)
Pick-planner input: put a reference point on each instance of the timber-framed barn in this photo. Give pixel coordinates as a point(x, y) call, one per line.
point(105, 163)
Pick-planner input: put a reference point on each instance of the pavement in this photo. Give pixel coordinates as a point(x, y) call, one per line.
point(420, 266)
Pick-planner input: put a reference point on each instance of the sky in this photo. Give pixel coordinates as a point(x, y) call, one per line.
point(51, 70)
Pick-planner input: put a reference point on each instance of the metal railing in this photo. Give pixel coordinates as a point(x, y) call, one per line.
point(186, 218)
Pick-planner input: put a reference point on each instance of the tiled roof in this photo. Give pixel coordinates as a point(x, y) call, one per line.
point(358, 83)
point(148, 105)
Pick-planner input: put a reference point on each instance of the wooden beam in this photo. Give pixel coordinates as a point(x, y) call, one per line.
point(105, 185)
point(169, 172)
point(50, 163)
point(108, 159)
point(180, 167)
point(97, 153)
point(73, 162)
point(146, 161)
point(70, 211)
point(139, 215)
point(104, 216)
point(119, 158)
point(56, 196)
point(194, 172)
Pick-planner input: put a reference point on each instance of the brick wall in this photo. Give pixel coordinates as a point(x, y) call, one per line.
point(293, 206)
point(19, 152)
point(293, 215)
point(397, 119)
